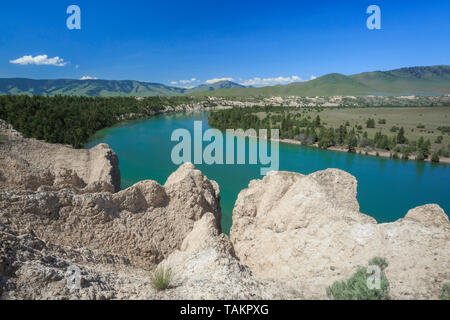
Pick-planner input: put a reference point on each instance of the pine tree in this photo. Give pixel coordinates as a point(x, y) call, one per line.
point(401, 139)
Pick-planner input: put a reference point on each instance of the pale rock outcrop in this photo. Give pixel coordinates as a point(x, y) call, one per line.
point(308, 231)
point(144, 223)
point(34, 269)
point(205, 267)
point(27, 164)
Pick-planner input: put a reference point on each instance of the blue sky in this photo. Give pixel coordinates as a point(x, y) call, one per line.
point(169, 41)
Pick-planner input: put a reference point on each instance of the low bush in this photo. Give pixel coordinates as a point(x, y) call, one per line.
point(435, 157)
point(357, 287)
point(445, 292)
point(161, 279)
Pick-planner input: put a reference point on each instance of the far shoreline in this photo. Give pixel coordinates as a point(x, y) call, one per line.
point(381, 153)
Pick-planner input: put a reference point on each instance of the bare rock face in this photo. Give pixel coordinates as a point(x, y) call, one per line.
point(190, 187)
point(308, 231)
point(61, 207)
point(205, 267)
point(31, 268)
point(144, 223)
point(27, 164)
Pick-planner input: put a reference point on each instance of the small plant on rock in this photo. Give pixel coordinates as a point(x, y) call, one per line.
point(357, 287)
point(161, 279)
point(445, 292)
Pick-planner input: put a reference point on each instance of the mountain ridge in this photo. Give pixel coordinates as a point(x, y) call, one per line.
point(431, 80)
point(101, 87)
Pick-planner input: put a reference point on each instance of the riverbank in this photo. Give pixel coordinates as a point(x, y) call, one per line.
point(374, 153)
point(416, 131)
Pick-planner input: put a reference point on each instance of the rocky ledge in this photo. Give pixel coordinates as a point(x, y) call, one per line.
point(308, 231)
point(28, 164)
point(293, 235)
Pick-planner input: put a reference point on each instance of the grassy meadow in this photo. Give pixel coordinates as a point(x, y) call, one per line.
point(417, 122)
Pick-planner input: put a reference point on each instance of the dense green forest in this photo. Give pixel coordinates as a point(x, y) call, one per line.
point(73, 120)
point(311, 131)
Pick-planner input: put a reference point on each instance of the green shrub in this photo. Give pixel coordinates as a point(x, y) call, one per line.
point(370, 123)
point(439, 140)
point(445, 292)
point(435, 157)
point(420, 156)
point(161, 279)
point(378, 261)
point(394, 129)
point(445, 129)
point(356, 287)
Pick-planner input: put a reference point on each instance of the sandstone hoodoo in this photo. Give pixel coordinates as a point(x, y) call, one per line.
point(63, 219)
point(308, 231)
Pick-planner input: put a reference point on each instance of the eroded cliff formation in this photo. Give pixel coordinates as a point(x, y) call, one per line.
point(59, 213)
point(308, 230)
point(27, 164)
point(292, 235)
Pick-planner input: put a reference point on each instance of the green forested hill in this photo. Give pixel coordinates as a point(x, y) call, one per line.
point(405, 81)
point(101, 88)
point(215, 86)
point(92, 88)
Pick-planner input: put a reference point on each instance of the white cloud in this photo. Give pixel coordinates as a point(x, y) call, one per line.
point(188, 81)
point(313, 77)
point(40, 61)
point(211, 81)
point(88, 78)
point(184, 81)
point(270, 81)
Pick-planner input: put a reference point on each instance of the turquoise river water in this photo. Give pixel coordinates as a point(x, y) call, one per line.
point(387, 188)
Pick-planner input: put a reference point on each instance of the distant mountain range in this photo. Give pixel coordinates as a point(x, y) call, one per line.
point(102, 88)
point(406, 81)
point(215, 86)
point(433, 80)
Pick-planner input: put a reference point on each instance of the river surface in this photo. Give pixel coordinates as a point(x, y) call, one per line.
point(387, 188)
